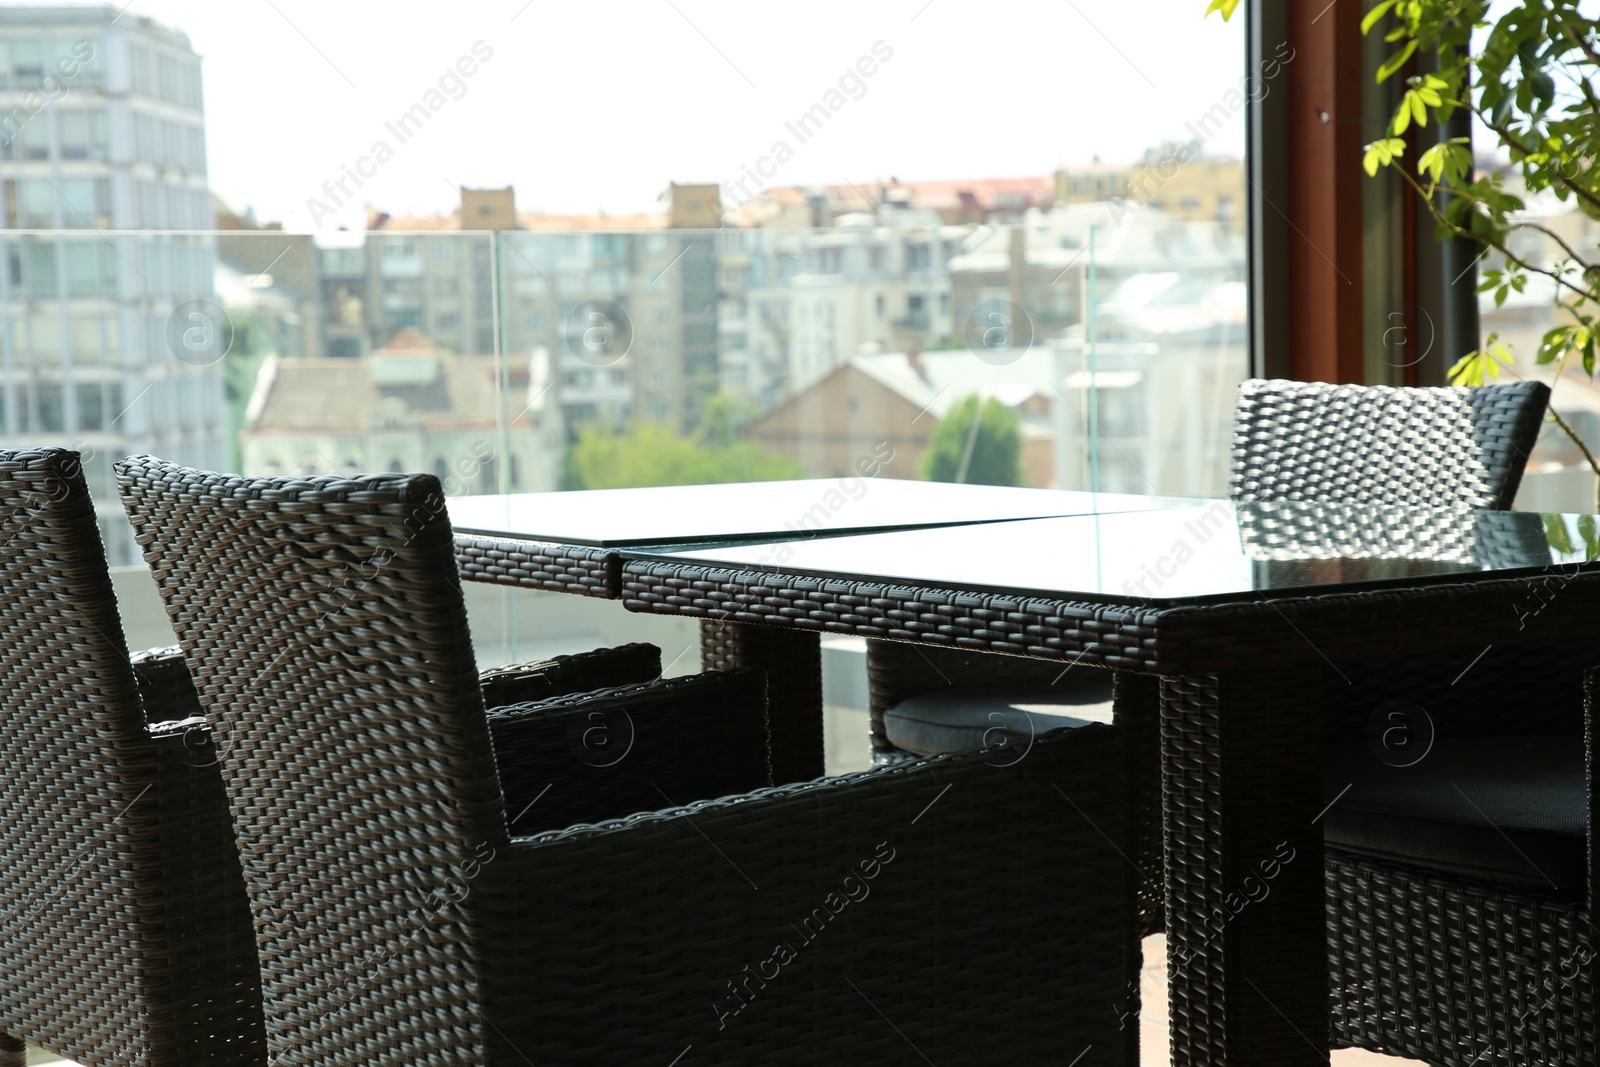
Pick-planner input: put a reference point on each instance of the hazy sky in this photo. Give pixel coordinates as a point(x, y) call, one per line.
point(599, 104)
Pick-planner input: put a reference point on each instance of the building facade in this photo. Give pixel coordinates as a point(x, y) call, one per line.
point(110, 341)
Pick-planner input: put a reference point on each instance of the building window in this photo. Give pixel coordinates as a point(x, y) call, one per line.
point(83, 134)
point(83, 269)
point(36, 207)
point(94, 402)
point(27, 64)
point(47, 400)
point(40, 274)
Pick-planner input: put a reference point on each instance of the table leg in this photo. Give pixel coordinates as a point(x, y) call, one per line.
point(1247, 958)
point(1137, 713)
point(793, 662)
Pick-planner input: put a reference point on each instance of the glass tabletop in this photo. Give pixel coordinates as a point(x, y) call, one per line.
point(1216, 551)
point(745, 511)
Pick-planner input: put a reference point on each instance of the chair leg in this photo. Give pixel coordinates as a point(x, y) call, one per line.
point(13, 1051)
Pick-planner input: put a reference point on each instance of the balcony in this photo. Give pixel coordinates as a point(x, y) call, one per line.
point(1070, 529)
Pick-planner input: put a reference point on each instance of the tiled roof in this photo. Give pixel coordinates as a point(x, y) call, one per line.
point(436, 392)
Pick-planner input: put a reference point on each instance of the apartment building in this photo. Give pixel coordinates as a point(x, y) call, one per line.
point(110, 342)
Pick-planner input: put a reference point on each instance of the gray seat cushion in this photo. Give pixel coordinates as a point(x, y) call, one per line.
point(962, 719)
point(1506, 810)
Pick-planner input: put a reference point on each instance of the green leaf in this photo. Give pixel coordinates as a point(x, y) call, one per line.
point(1555, 532)
point(1419, 110)
point(1402, 116)
point(1591, 537)
point(1502, 109)
point(1382, 153)
point(1553, 344)
point(1398, 60)
point(1432, 162)
point(1375, 14)
point(1544, 88)
point(1480, 367)
point(1224, 6)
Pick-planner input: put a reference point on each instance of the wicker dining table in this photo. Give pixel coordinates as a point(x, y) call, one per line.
point(1223, 621)
point(573, 543)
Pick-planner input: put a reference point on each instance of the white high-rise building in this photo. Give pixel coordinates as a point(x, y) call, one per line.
point(110, 341)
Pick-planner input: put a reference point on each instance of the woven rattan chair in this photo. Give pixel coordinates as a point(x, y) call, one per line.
point(1349, 444)
point(882, 917)
point(1459, 820)
point(123, 920)
point(126, 924)
point(1460, 872)
point(1375, 444)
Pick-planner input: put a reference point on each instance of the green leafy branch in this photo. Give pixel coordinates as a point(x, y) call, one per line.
point(1530, 81)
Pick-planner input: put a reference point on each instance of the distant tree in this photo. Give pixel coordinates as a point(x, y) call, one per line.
point(651, 453)
point(247, 347)
point(724, 417)
point(979, 442)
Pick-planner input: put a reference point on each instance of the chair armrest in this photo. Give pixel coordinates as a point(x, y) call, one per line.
point(586, 757)
point(600, 669)
point(165, 686)
point(959, 899)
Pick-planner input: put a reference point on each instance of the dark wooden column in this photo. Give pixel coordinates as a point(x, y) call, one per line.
point(1306, 190)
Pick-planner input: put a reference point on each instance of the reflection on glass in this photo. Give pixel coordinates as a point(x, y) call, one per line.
point(1218, 551)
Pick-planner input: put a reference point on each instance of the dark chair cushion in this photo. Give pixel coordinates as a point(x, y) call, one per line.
point(963, 719)
point(1505, 810)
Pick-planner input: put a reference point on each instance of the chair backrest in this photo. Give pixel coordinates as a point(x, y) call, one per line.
point(324, 624)
point(1374, 444)
point(74, 901)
